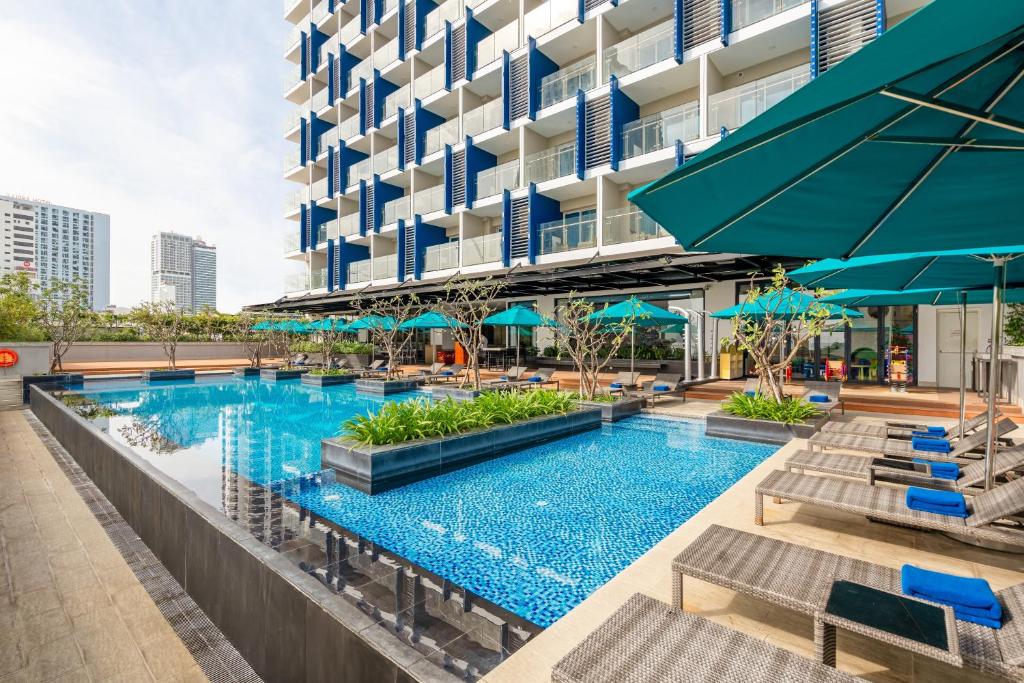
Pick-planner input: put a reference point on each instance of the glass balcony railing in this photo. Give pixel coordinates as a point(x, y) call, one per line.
point(293, 119)
point(389, 5)
point(349, 31)
point(429, 200)
point(327, 139)
point(292, 78)
point(363, 69)
point(640, 51)
point(551, 14)
point(321, 233)
point(326, 50)
point(294, 35)
point(319, 100)
point(483, 249)
point(349, 128)
point(434, 21)
point(551, 163)
point(329, 229)
point(291, 239)
point(732, 108)
point(436, 138)
point(348, 225)
point(490, 48)
point(361, 170)
point(358, 272)
point(430, 82)
point(293, 201)
point(296, 282)
point(318, 190)
point(291, 159)
point(397, 209)
point(564, 83)
point(747, 12)
point(567, 235)
point(661, 130)
point(484, 118)
point(319, 12)
point(386, 161)
point(385, 55)
point(400, 98)
point(495, 180)
point(318, 279)
point(385, 266)
point(441, 257)
point(629, 225)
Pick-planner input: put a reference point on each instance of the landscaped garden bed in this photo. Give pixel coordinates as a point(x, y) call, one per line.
point(166, 375)
point(246, 372)
point(760, 418)
point(275, 374)
point(615, 408)
point(328, 378)
point(385, 387)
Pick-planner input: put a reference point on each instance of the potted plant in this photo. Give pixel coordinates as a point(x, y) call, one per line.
point(730, 359)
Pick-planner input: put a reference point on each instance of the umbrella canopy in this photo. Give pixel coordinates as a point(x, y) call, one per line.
point(638, 313)
point(262, 325)
point(917, 138)
point(916, 297)
point(372, 322)
point(519, 316)
point(431, 320)
point(293, 326)
point(334, 324)
point(785, 303)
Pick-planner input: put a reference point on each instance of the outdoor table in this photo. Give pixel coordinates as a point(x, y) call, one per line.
point(915, 625)
point(494, 356)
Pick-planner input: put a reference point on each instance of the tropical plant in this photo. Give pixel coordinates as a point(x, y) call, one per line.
point(243, 330)
point(63, 313)
point(389, 337)
point(590, 342)
point(470, 302)
point(161, 321)
point(1014, 325)
point(18, 310)
point(758, 407)
point(330, 372)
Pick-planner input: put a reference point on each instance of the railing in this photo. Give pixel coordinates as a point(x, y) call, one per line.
point(734, 107)
point(327, 49)
point(489, 49)
point(319, 12)
point(321, 233)
point(348, 128)
point(383, 56)
point(292, 78)
point(551, 14)
point(291, 159)
point(349, 31)
point(289, 5)
point(562, 235)
point(434, 21)
point(484, 249)
point(441, 257)
point(397, 209)
point(494, 180)
point(640, 51)
point(318, 190)
point(564, 83)
point(348, 225)
point(330, 229)
point(327, 139)
point(293, 36)
point(361, 170)
point(294, 200)
point(385, 266)
point(319, 100)
point(429, 200)
point(293, 119)
point(388, 6)
point(430, 82)
point(551, 163)
point(399, 98)
point(661, 130)
point(484, 118)
point(358, 272)
point(385, 161)
point(747, 12)
point(629, 225)
point(363, 69)
point(296, 282)
point(436, 138)
point(291, 239)
point(318, 279)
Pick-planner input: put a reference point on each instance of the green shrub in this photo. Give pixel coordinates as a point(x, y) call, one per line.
point(790, 411)
point(598, 398)
point(1014, 325)
point(338, 347)
point(330, 372)
point(353, 347)
point(397, 422)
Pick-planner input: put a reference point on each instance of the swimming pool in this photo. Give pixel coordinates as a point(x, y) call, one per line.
point(535, 532)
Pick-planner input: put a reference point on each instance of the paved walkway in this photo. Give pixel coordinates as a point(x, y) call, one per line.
point(71, 609)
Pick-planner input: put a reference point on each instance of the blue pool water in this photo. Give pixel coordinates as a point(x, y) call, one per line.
point(535, 532)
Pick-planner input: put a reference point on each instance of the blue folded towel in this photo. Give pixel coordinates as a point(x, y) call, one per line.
point(447, 373)
point(504, 378)
point(915, 434)
point(535, 379)
point(971, 599)
point(818, 398)
point(661, 387)
point(931, 445)
point(949, 503)
point(616, 385)
point(941, 470)
point(750, 393)
point(941, 431)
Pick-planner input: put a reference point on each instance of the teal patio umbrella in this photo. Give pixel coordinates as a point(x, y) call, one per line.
point(636, 313)
point(786, 303)
point(519, 317)
point(293, 326)
point(372, 322)
point(261, 326)
point(328, 324)
point(431, 320)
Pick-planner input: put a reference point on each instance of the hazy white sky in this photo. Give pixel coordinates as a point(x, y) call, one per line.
point(165, 115)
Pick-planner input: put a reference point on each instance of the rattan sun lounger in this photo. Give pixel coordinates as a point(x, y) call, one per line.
point(623, 382)
point(971, 480)
point(902, 430)
point(831, 389)
point(508, 378)
point(545, 377)
point(904, 449)
point(888, 504)
point(801, 578)
point(674, 381)
point(645, 641)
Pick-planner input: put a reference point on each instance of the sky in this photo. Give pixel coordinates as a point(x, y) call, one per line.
point(165, 115)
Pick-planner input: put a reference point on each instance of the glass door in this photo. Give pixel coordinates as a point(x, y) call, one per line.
point(864, 351)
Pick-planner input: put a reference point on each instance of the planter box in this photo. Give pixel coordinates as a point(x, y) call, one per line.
point(273, 375)
point(613, 412)
point(63, 379)
point(246, 372)
point(373, 469)
point(167, 375)
point(721, 423)
point(327, 380)
point(385, 387)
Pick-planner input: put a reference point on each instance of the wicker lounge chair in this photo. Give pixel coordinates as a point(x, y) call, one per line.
point(673, 381)
point(801, 578)
point(903, 430)
point(431, 371)
point(888, 504)
point(509, 377)
point(971, 479)
point(645, 641)
point(901, 448)
point(447, 373)
point(830, 389)
point(538, 379)
point(623, 382)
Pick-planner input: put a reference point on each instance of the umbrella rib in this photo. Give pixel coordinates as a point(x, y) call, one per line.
point(919, 273)
point(958, 142)
point(975, 115)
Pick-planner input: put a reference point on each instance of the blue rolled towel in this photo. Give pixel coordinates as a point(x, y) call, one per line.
point(661, 387)
point(915, 434)
point(818, 398)
point(504, 378)
point(447, 373)
point(971, 599)
point(941, 431)
point(616, 385)
point(931, 445)
point(949, 503)
point(750, 393)
point(535, 379)
point(941, 470)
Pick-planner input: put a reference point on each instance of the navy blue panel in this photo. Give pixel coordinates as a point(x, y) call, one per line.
point(447, 178)
point(401, 29)
point(317, 39)
point(303, 61)
point(581, 10)
point(447, 55)
point(425, 120)
point(331, 160)
point(506, 228)
point(330, 265)
point(400, 140)
point(382, 194)
point(677, 36)
point(623, 111)
point(362, 208)
point(303, 218)
point(423, 8)
point(317, 128)
point(814, 38)
point(426, 236)
point(476, 160)
point(540, 66)
point(879, 17)
point(347, 253)
point(363, 23)
point(346, 159)
point(542, 210)
point(382, 88)
point(725, 20)
point(346, 60)
point(303, 137)
point(506, 91)
point(581, 118)
point(401, 249)
point(475, 32)
point(362, 106)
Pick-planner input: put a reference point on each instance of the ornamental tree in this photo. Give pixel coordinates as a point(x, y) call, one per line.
point(392, 340)
point(591, 344)
point(161, 321)
point(64, 315)
point(469, 302)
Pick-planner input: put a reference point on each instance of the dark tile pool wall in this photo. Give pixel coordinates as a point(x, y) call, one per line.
point(283, 621)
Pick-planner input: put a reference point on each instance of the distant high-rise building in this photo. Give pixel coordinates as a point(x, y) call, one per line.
point(17, 237)
point(67, 244)
point(184, 270)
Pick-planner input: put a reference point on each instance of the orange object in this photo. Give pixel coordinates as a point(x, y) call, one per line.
point(460, 354)
point(835, 370)
point(8, 358)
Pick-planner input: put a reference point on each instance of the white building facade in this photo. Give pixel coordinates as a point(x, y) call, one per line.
point(183, 270)
point(17, 237)
point(204, 276)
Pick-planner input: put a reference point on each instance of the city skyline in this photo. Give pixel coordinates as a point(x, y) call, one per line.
point(183, 270)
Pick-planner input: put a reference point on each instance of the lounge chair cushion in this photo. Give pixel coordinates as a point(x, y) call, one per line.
point(818, 398)
point(947, 503)
point(535, 379)
point(931, 445)
point(941, 470)
point(971, 599)
point(662, 387)
point(616, 385)
point(750, 393)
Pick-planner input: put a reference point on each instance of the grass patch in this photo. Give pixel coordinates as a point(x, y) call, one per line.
point(790, 411)
point(397, 422)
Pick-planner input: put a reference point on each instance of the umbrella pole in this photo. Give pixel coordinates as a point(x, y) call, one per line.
point(632, 348)
point(963, 361)
point(516, 328)
point(993, 367)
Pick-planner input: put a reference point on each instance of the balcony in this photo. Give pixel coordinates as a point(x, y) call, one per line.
point(389, 5)
point(386, 161)
point(490, 48)
point(732, 108)
point(385, 266)
point(291, 240)
point(551, 163)
point(661, 130)
point(550, 15)
point(296, 282)
point(400, 98)
point(484, 249)
point(640, 51)
point(358, 272)
point(564, 83)
point(363, 69)
point(383, 56)
point(293, 119)
point(322, 231)
point(484, 118)
point(289, 5)
point(361, 170)
point(349, 128)
point(567, 235)
point(629, 224)
point(292, 78)
point(436, 138)
point(318, 279)
point(348, 225)
point(319, 100)
point(429, 200)
point(294, 35)
point(320, 12)
point(291, 160)
point(747, 12)
point(441, 257)
point(327, 139)
point(294, 200)
point(318, 190)
point(430, 82)
point(349, 31)
point(397, 209)
point(495, 180)
point(434, 21)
